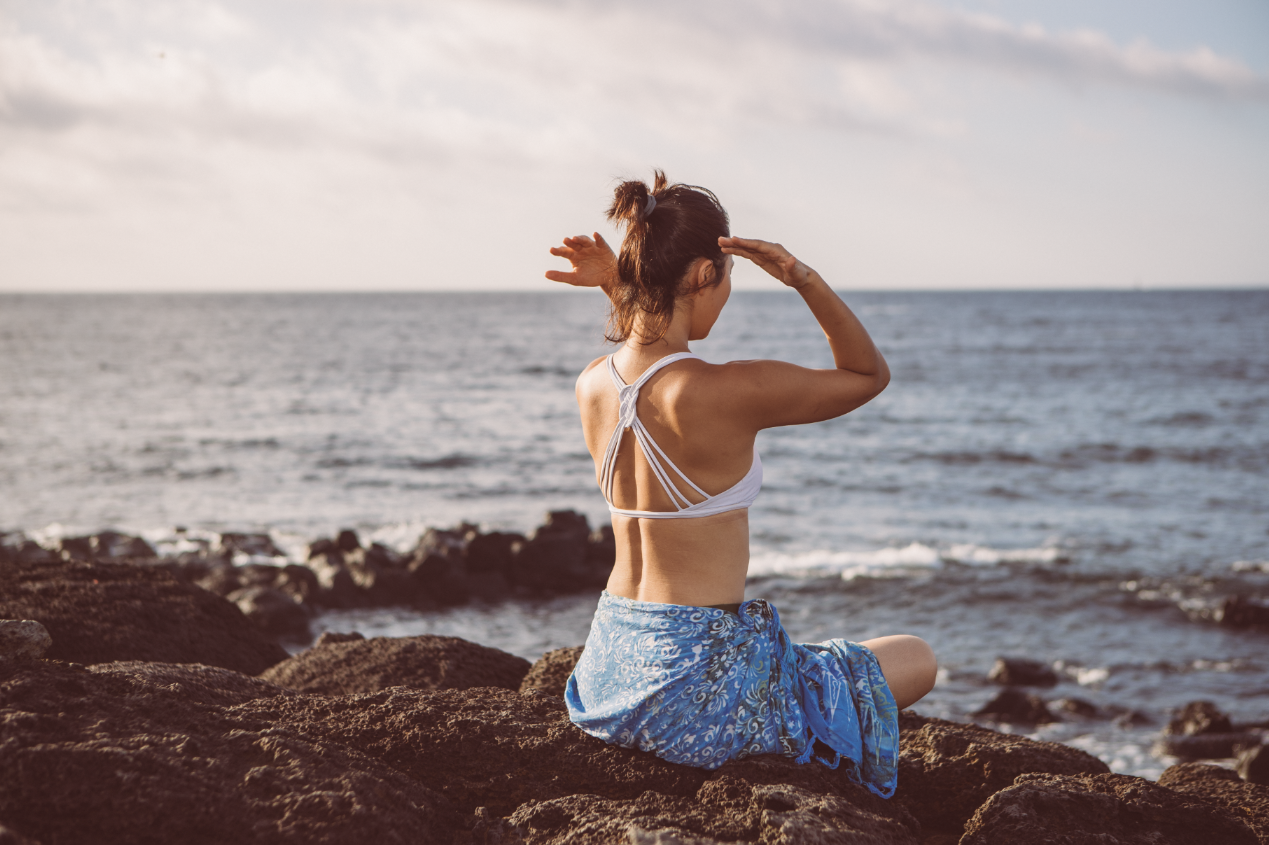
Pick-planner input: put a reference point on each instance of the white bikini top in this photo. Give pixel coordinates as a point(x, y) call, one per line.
point(740, 495)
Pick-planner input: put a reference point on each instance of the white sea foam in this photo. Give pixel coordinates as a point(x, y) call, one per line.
point(1250, 566)
point(892, 561)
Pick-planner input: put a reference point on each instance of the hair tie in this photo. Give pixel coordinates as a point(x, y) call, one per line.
point(647, 209)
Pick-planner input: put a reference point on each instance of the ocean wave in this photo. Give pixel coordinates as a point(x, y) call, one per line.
point(894, 561)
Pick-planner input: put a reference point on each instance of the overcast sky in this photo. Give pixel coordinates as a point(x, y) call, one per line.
point(388, 145)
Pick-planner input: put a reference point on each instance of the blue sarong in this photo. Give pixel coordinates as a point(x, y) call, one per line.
point(701, 686)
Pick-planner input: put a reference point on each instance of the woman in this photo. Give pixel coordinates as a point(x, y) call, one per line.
point(677, 662)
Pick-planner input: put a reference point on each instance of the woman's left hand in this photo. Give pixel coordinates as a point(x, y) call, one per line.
point(594, 265)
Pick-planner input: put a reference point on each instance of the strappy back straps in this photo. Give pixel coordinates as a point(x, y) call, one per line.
point(628, 418)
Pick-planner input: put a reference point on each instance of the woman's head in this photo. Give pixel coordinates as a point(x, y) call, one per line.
point(670, 251)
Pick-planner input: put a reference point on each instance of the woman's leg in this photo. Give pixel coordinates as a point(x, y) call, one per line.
point(909, 666)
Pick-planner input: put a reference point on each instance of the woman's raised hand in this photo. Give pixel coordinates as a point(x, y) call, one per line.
point(773, 258)
point(594, 265)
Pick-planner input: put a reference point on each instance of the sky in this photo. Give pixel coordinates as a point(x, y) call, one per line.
point(363, 145)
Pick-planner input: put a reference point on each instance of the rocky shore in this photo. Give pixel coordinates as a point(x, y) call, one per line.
point(137, 706)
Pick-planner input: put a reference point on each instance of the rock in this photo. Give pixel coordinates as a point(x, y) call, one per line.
point(480, 747)
point(724, 810)
point(554, 558)
point(15, 547)
point(1045, 809)
point(102, 612)
point(423, 663)
point(194, 681)
point(1206, 746)
point(1199, 717)
point(1250, 802)
point(23, 639)
point(274, 612)
point(347, 540)
point(439, 579)
point(1253, 765)
point(251, 545)
point(947, 770)
point(1016, 706)
point(335, 584)
point(298, 582)
point(550, 673)
point(1078, 707)
point(106, 545)
point(258, 574)
point(329, 637)
point(1242, 612)
point(111, 757)
point(1020, 672)
point(492, 552)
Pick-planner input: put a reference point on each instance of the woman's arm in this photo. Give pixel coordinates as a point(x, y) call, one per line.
point(594, 265)
point(786, 394)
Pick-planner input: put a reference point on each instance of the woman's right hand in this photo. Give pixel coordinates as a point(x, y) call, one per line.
point(773, 258)
point(594, 265)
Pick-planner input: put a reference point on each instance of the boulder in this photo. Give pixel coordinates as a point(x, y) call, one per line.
point(1077, 707)
point(1207, 746)
point(1248, 801)
point(1199, 717)
point(554, 558)
point(483, 747)
point(423, 663)
point(274, 612)
point(102, 612)
point(347, 540)
point(1242, 612)
point(23, 639)
point(106, 545)
point(1045, 809)
point(252, 545)
point(724, 810)
point(16, 547)
point(550, 673)
point(1253, 765)
point(1020, 672)
point(298, 582)
point(1015, 706)
point(113, 756)
point(947, 769)
point(194, 681)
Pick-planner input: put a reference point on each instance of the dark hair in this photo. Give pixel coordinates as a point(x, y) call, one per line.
point(683, 224)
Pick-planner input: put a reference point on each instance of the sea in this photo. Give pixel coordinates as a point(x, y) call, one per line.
point(1073, 477)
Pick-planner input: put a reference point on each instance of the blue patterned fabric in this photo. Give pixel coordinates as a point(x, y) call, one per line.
point(701, 686)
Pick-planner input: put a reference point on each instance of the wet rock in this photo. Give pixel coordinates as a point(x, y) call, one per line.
point(492, 552)
point(1015, 706)
point(1253, 765)
point(102, 612)
point(480, 747)
point(111, 757)
point(550, 673)
point(347, 540)
point(1207, 746)
point(23, 639)
point(194, 681)
point(438, 579)
point(1047, 809)
point(1126, 717)
point(335, 584)
point(251, 545)
point(274, 612)
point(1250, 802)
point(380, 574)
point(16, 547)
point(1078, 707)
point(106, 545)
point(554, 558)
point(298, 582)
point(1020, 672)
point(329, 637)
point(1199, 717)
point(258, 574)
point(947, 770)
point(1242, 612)
point(724, 810)
point(424, 663)
point(220, 578)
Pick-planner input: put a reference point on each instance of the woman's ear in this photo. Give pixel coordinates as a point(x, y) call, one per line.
point(704, 275)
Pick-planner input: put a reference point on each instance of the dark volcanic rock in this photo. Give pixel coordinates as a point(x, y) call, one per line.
point(1248, 801)
point(1020, 672)
point(424, 663)
point(1207, 746)
point(107, 545)
point(114, 757)
point(1042, 809)
point(550, 673)
point(1253, 765)
point(1014, 705)
point(1242, 612)
point(273, 611)
point(194, 681)
point(479, 747)
point(1199, 717)
point(255, 545)
point(23, 639)
point(101, 612)
point(947, 770)
point(554, 558)
point(723, 810)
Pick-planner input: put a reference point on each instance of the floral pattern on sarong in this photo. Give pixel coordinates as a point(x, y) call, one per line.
point(701, 686)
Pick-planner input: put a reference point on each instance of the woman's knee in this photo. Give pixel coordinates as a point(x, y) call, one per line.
point(909, 665)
